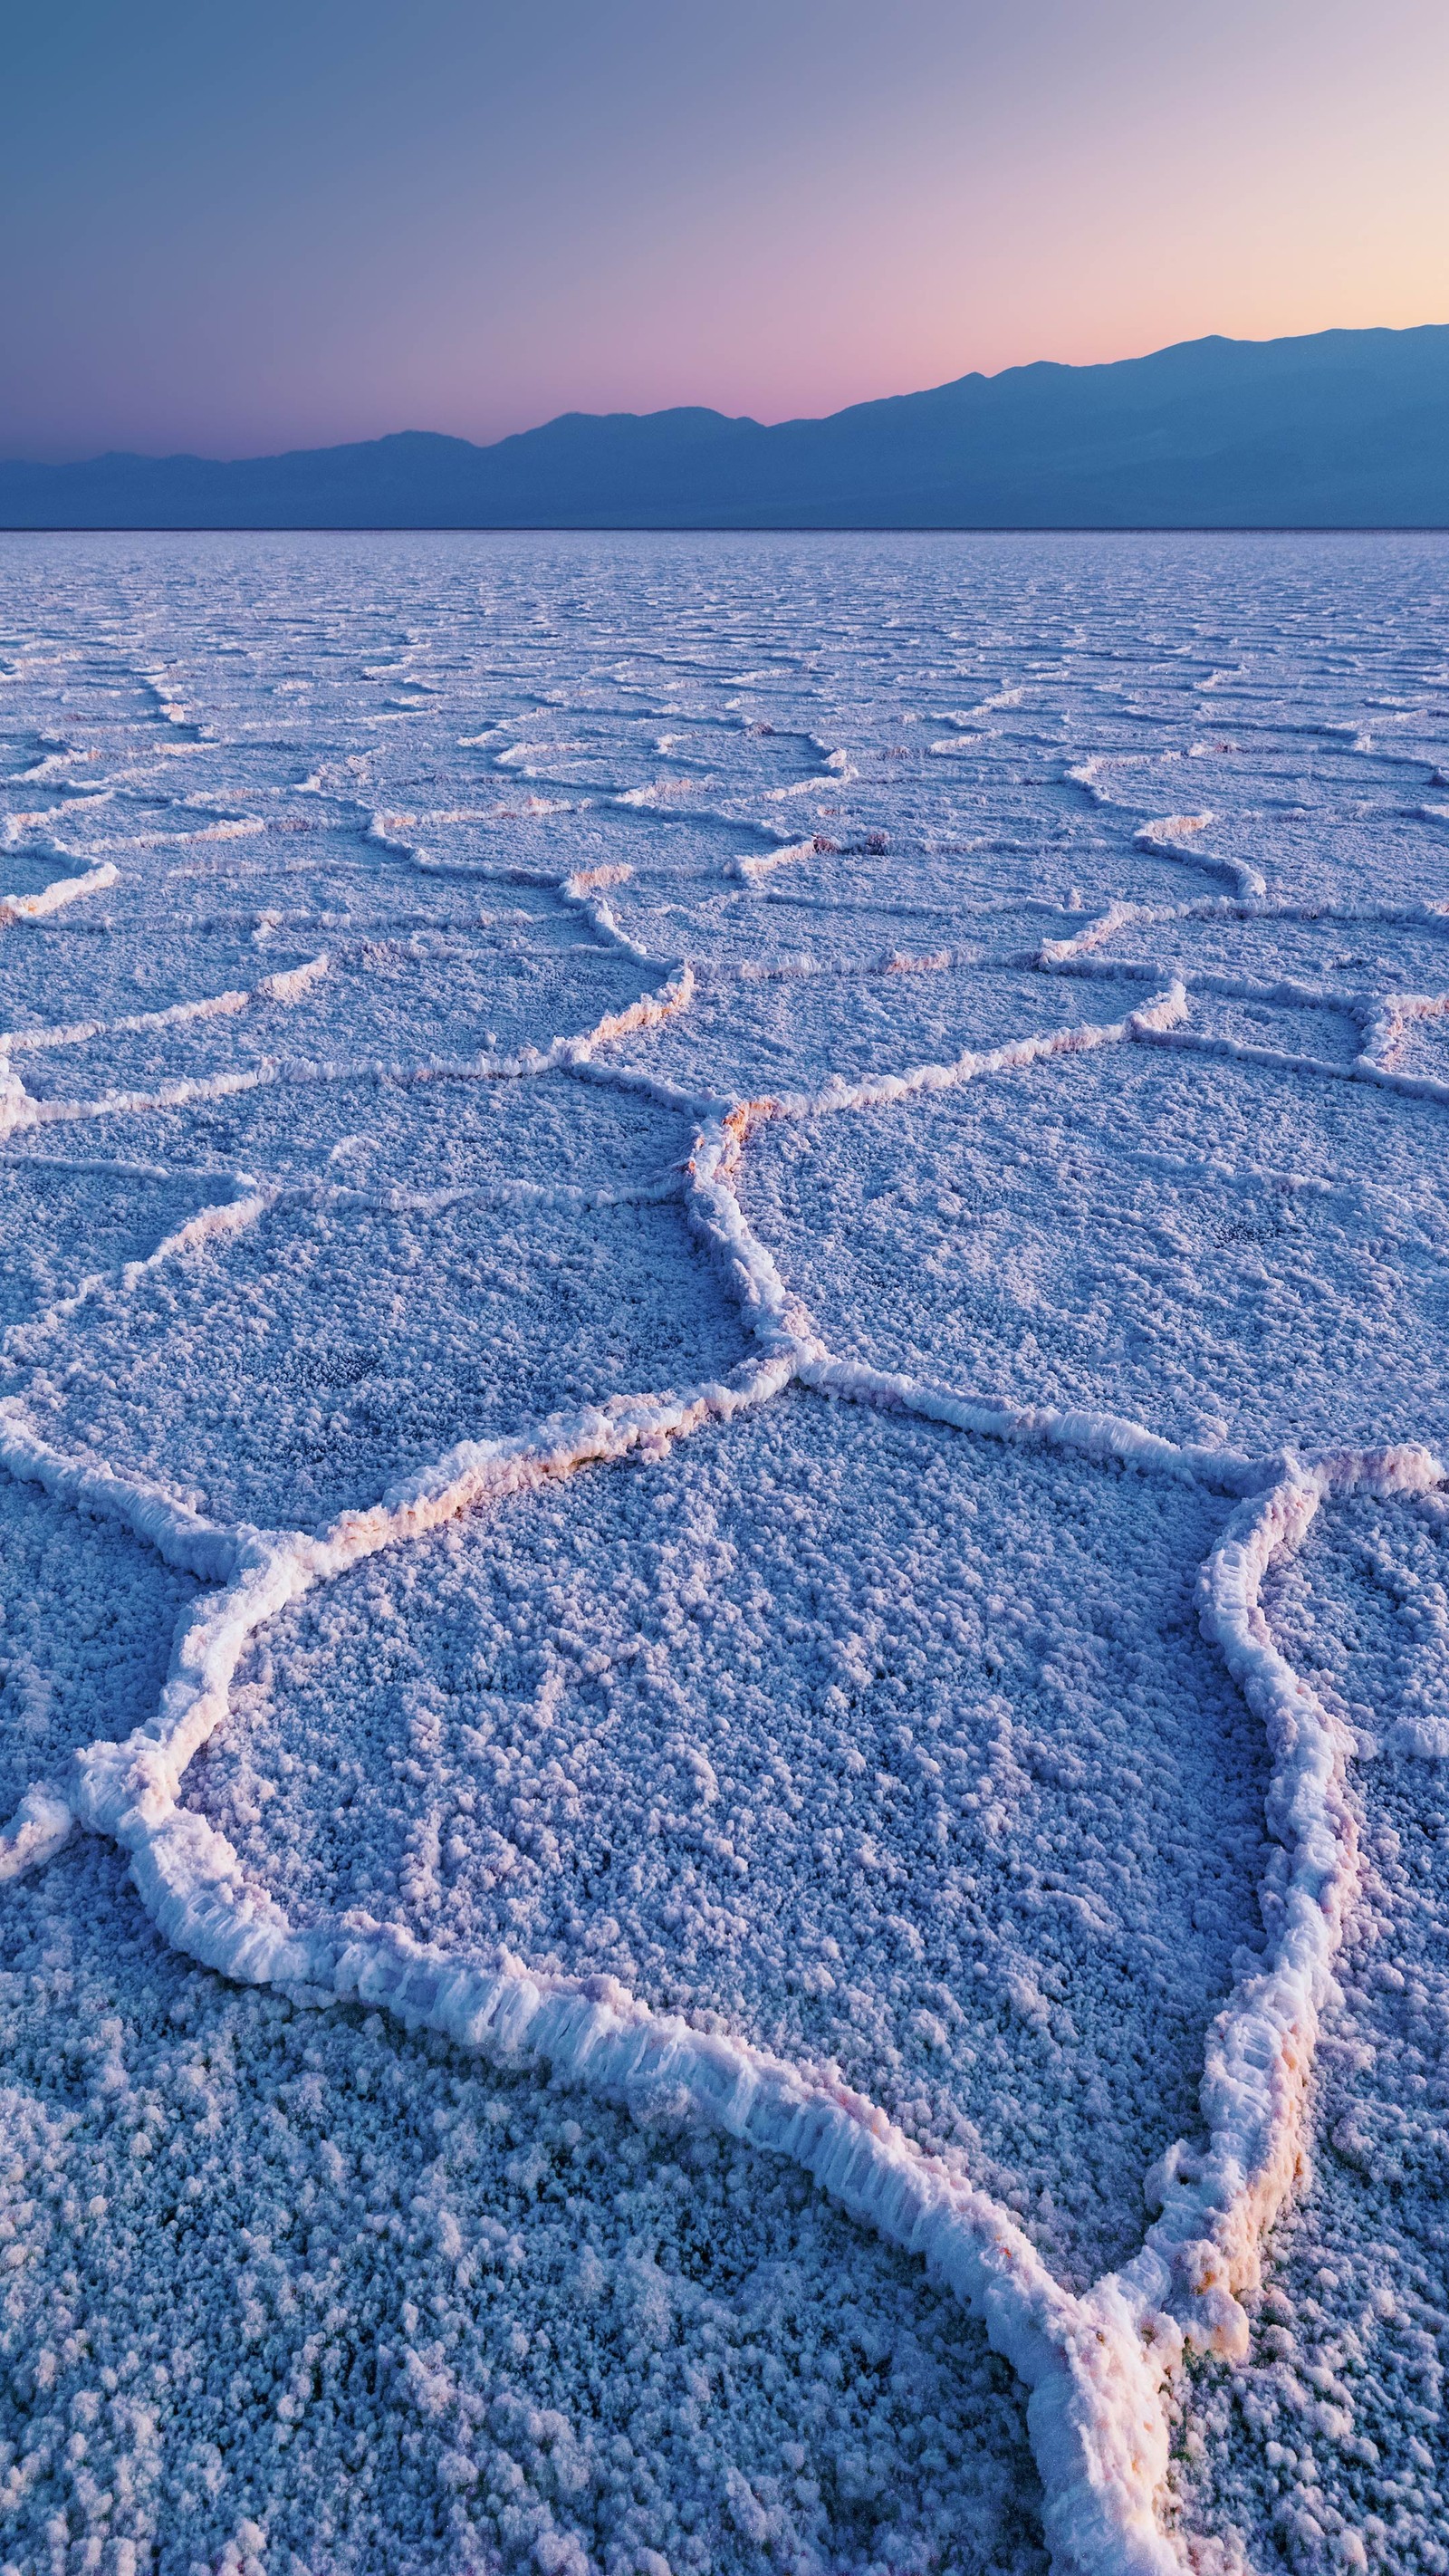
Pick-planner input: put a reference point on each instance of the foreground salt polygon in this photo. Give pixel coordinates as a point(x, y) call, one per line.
point(1222, 1232)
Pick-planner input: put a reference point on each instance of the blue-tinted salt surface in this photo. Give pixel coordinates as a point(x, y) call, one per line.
point(698, 1171)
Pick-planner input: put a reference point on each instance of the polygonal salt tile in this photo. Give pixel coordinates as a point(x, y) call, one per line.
point(1327, 1035)
point(791, 1028)
point(1349, 955)
point(65, 972)
point(429, 997)
point(1217, 1249)
point(890, 1750)
point(281, 1369)
point(401, 1132)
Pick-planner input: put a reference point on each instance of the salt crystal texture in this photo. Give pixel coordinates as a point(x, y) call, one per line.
point(723, 1302)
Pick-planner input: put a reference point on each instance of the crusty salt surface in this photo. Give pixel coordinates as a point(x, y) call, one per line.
point(723, 1291)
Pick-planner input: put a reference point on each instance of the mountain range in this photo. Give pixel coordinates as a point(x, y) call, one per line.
point(1336, 429)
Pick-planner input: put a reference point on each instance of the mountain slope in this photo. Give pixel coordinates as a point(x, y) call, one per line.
point(1343, 428)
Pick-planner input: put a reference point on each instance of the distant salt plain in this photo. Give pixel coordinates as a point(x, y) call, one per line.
point(724, 1563)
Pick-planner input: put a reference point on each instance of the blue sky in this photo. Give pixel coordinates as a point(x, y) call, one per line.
point(235, 229)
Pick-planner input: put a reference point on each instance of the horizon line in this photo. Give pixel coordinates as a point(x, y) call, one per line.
point(1025, 366)
point(743, 528)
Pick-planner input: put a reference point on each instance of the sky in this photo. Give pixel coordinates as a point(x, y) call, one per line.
point(234, 226)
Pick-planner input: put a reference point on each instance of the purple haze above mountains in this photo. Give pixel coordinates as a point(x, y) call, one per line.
point(238, 231)
point(1339, 429)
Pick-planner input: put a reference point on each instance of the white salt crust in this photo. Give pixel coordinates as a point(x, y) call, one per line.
point(1098, 2365)
point(1094, 2364)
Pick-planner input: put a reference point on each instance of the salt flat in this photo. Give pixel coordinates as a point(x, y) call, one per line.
point(724, 1568)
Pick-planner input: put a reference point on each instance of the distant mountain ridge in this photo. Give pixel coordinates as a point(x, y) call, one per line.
point(1336, 429)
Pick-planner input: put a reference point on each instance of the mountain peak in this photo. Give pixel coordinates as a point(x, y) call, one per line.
point(1331, 429)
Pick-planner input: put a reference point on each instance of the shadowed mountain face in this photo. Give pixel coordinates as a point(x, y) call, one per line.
point(1343, 428)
